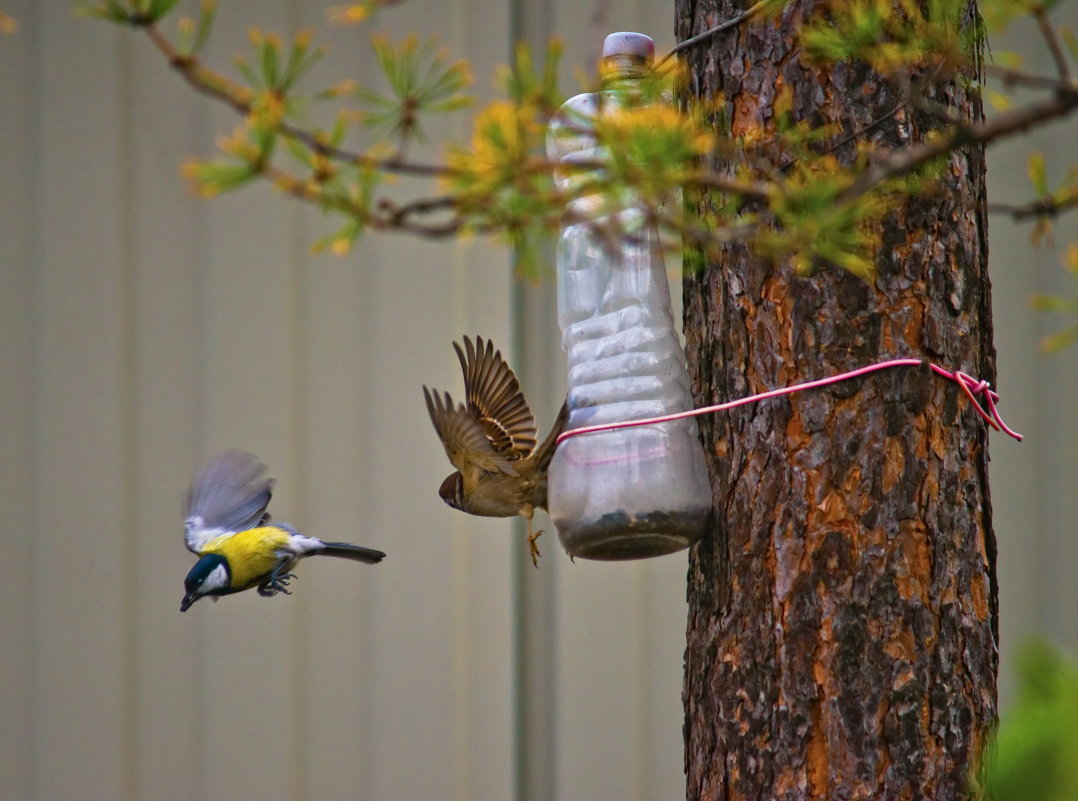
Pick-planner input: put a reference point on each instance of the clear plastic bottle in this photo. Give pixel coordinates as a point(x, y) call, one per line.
point(634, 492)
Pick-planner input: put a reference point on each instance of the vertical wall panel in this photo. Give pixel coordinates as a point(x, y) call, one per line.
point(17, 325)
point(335, 443)
point(663, 618)
point(81, 609)
point(446, 594)
point(599, 680)
point(339, 599)
point(162, 123)
point(484, 555)
point(248, 700)
point(541, 363)
point(144, 329)
point(1057, 443)
point(445, 716)
point(414, 699)
point(1016, 467)
point(1034, 506)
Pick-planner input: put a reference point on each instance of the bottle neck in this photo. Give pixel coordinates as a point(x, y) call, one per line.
point(622, 67)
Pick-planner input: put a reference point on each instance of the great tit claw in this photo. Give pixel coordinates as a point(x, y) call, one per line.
point(275, 584)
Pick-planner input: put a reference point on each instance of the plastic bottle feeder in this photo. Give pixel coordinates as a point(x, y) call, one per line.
point(635, 492)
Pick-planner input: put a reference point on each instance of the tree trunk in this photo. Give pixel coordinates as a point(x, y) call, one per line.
point(842, 614)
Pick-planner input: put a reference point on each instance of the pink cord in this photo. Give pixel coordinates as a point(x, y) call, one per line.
point(970, 385)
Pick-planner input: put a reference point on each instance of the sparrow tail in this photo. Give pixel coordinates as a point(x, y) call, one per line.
point(545, 452)
point(356, 552)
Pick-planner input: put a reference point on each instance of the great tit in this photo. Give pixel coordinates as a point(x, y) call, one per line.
point(491, 440)
point(228, 527)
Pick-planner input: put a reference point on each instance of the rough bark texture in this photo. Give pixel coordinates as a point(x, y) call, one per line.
point(842, 624)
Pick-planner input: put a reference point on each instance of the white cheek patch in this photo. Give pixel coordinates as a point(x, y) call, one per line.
point(216, 580)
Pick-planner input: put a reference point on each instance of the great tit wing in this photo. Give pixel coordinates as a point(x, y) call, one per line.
point(465, 442)
point(494, 399)
point(229, 494)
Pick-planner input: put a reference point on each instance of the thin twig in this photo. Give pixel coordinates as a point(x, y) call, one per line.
point(236, 97)
point(941, 111)
point(1044, 207)
point(903, 162)
point(862, 131)
point(420, 206)
point(1050, 38)
point(387, 215)
point(1013, 77)
point(695, 178)
point(733, 22)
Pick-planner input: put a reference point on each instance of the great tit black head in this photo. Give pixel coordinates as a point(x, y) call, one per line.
point(209, 576)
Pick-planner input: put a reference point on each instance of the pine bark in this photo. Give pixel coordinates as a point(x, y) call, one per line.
point(843, 611)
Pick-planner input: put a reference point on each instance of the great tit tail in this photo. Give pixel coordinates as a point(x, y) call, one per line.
point(356, 552)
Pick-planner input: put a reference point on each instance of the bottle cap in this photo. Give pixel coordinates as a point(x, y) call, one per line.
point(627, 43)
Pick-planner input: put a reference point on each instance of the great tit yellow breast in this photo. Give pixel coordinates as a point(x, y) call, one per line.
point(251, 554)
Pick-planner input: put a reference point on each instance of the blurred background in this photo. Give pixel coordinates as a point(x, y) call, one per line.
point(144, 329)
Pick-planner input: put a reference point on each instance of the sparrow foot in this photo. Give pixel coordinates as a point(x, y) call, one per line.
point(533, 548)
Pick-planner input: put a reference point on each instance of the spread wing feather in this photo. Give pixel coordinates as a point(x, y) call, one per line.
point(495, 401)
point(227, 495)
point(464, 439)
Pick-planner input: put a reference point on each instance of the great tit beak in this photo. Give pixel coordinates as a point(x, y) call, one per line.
point(188, 599)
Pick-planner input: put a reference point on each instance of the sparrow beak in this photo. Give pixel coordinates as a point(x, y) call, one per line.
point(188, 599)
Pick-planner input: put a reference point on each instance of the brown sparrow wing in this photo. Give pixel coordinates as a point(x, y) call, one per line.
point(495, 401)
point(465, 442)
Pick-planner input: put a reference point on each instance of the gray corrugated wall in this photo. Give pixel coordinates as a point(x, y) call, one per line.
point(143, 329)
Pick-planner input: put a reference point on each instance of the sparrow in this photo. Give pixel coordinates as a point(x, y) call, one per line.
point(491, 440)
point(238, 546)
